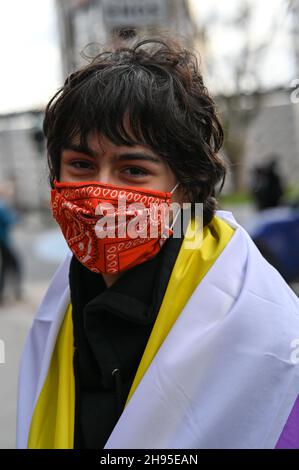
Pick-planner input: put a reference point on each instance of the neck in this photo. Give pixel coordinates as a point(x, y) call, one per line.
point(110, 279)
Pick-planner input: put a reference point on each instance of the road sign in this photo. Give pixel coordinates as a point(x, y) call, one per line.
point(119, 13)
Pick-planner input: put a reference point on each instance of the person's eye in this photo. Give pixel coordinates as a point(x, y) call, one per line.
point(81, 165)
point(135, 171)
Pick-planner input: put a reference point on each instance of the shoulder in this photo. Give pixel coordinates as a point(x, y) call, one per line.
point(262, 292)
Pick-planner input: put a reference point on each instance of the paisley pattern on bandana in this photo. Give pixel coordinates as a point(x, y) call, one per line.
point(77, 209)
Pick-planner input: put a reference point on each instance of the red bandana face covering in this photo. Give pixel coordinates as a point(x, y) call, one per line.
point(85, 212)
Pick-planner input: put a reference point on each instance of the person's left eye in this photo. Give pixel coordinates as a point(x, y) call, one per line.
point(135, 171)
point(81, 164)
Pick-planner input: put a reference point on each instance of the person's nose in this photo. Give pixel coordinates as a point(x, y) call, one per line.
point(105, 174)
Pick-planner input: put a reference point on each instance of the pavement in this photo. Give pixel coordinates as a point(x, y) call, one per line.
point(34, 241)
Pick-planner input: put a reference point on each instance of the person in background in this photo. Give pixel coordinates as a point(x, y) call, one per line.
point(10, 265)
point(267, 186)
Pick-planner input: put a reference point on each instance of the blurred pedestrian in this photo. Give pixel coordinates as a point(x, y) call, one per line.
point(10, 265)
point(266, 185)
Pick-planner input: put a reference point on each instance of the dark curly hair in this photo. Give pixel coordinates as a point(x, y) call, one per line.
point(157, 85)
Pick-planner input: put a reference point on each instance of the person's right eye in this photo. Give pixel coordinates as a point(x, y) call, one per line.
point(81, 164)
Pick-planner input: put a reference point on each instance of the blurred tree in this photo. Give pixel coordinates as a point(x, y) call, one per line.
point(293, 8)
point(236, 77)
point(37, 133)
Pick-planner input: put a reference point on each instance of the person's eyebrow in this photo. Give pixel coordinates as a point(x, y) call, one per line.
point(117, 157)
point(137, 156)
point(80, 149)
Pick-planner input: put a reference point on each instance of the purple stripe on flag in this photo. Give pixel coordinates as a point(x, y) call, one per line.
point(289, 438)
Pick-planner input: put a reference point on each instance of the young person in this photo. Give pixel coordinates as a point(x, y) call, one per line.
point(148, 341)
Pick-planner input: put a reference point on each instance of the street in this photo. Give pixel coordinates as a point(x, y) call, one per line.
point(36, 242)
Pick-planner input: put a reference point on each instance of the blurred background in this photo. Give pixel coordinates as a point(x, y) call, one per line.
point(249, 54)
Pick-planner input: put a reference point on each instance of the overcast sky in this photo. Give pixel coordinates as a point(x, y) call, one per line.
point(29, 49)
point(277, 66)
point(29, 53)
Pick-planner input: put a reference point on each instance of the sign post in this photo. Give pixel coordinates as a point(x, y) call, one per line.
point(118, 13)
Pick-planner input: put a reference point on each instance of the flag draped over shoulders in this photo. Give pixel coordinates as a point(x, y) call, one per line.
point(218, 370)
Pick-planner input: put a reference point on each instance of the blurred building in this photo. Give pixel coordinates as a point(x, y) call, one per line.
point(23, 159)
point(294, 9)
point(82, 22)
point(274, 132)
